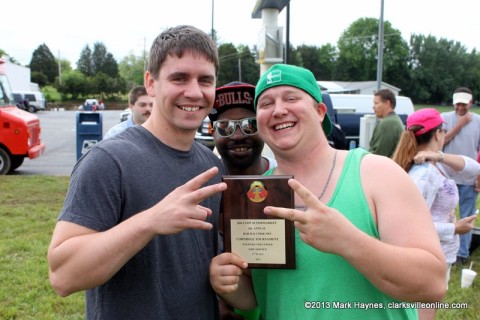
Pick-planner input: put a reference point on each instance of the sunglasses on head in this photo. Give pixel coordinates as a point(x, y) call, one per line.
point(226, 128)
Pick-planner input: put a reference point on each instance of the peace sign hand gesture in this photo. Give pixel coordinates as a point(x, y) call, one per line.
point(321, 227)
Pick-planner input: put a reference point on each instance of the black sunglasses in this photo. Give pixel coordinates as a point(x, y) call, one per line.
point(226, 128)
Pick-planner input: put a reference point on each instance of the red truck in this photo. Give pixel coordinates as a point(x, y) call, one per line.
point(19, 130)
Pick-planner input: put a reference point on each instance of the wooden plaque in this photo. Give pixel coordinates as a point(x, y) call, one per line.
point(263, 241)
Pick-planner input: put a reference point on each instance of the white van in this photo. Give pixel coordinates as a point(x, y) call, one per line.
point(363, 103)
point(33, 100)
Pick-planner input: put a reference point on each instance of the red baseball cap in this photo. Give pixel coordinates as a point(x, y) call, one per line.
point(428, 118)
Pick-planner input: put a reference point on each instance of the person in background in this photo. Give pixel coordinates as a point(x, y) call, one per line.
point(101, 105)
point(235, 130)
point(388, 131)
point(87, 106)
point(138, 228)
point(419, 152)
point(463, 138)
point(141, 104)
point(477, 183)
point(351, 223)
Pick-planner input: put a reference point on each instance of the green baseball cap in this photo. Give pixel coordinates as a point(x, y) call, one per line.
point(288, 75)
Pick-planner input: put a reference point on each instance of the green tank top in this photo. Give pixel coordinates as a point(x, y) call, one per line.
point(325, 286)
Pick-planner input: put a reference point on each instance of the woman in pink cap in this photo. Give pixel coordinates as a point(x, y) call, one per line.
point(419, 153)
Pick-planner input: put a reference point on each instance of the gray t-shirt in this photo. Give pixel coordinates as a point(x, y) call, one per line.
point(465, 143)
point(168, 278)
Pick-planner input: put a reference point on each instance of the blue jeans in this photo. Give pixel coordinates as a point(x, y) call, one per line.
point(467, 206)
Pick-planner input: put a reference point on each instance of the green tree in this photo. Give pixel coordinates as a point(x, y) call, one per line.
point(74, 83)
point(101, 70)
point(475, 68)
point(39, 78)
point(358, 49)
point(310, 58)
point(131, 68)
point(99, 57)
point(321, 61)
point(11, 59)
point(43, 63)
point(84, 63)
point(110, 66)
point(438, 67)
point(249, 68)
point(51, 94)
point(103, 61)
point(295, 57)
point(327, 60)
point(395, 60)
point(228, 70)
point(65, 65)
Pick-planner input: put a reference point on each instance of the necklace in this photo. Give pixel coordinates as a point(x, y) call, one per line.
point(326, 184)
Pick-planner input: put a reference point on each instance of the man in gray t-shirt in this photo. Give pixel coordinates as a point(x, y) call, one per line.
point(463, 138)
point(139, 224)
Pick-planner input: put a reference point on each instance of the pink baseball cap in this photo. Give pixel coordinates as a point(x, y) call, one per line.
point(428, 118)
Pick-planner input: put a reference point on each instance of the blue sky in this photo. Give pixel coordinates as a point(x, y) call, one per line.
point(128, 27)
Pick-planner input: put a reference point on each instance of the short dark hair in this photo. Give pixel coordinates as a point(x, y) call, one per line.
point(463, 89)
point(135, 93)
point(387, 95)
point(178, 40)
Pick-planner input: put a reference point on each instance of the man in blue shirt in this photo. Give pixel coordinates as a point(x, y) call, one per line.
point(140, 104)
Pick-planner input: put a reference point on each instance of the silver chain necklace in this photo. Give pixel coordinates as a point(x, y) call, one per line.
point(303, 207)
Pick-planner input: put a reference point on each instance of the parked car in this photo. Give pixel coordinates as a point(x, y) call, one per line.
point(204, 134)
point(19, 101)
point(32, 101)
point(125, 114)
point(91, 104)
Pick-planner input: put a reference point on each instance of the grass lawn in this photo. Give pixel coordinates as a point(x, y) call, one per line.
point(29, 206)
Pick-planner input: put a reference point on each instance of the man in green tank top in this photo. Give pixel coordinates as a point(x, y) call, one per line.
point(365, 245)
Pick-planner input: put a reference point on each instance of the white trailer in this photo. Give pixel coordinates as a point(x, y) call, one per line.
point(19, 76)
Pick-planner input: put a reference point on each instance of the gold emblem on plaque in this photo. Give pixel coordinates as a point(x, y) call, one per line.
point(257, 192)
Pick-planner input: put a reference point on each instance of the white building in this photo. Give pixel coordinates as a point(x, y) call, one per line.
point(19, 77)
point(355, 87)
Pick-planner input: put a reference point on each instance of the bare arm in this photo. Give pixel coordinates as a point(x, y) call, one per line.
point(411, 257)
point(466, 224)
point(407, 262)
point(80, 258)
point(454, 161)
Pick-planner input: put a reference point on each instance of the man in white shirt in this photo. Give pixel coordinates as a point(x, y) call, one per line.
point(463, 138)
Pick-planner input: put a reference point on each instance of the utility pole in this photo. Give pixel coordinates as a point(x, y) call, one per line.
point(144, 55)
point(380, 49)
point(213, 13)
point(287, 40)
point(239, 69)
point(59, 69)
